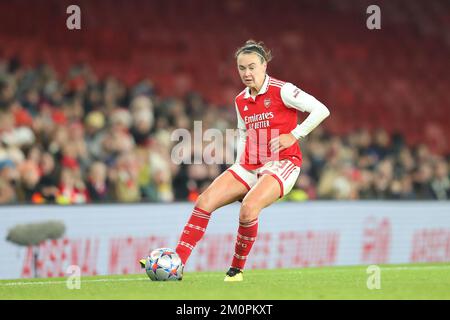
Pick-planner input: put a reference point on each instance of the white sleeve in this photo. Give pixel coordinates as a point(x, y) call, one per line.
point(242, 135)
point(295, 98)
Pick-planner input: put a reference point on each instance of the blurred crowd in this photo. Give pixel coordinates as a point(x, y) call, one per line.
point(76, 139)
point(370, 165)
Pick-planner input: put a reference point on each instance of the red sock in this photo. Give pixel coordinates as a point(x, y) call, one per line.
point(192, 233)
point(246, 237)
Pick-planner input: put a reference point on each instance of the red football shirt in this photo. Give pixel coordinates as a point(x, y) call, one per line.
point(265, 116)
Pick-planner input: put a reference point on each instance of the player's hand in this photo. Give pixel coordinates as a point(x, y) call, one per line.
point(283, 141)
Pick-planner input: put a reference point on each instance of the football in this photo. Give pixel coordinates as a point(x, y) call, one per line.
point(164, 264)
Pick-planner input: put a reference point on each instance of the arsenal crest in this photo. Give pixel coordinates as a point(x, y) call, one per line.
point(267, 102)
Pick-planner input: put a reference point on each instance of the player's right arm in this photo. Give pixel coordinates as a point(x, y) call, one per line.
point(242, 135)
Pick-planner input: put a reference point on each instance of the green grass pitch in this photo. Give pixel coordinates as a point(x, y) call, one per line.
point(409, 281)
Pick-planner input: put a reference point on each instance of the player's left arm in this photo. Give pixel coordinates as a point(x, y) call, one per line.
point(294, 97)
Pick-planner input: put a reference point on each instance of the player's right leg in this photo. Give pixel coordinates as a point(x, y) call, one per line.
point(224, 190)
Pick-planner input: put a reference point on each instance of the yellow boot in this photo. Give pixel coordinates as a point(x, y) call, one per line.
point(233, 275)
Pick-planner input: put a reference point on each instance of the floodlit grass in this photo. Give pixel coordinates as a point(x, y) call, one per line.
point(412, 281)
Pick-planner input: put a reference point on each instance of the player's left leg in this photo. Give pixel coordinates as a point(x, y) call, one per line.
point(276, 181)
point(264, 193)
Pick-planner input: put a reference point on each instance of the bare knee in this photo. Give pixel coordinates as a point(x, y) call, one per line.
point(249, 211)
point(205, 202)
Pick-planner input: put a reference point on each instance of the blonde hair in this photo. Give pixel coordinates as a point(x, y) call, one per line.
point(259, 48)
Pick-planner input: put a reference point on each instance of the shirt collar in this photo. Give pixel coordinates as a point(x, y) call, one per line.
point(263, 89)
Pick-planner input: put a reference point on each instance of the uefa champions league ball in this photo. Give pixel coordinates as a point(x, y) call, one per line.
point(164, 264)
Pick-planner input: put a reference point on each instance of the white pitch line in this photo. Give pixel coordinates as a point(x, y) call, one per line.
point(26, 283)
point(415, 267)
point(363, 267)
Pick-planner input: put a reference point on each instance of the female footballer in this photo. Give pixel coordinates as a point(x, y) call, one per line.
point(269, 157)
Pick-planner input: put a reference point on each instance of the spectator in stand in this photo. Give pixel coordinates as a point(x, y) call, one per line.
point(407, 192)
point(11, 135)
point(117, 139)
point(8, 90)
point(405, 163)
point(98, 185)
point(8, 177)
point(422, 181)
point(440, 184)
point(27, 190)
point(72, 189)
point(382, 179)
point(94, 134)
point(145, 175)
point(124, 176)
point(365, 187)
point(142, 119)
point(31, 102)
point(48, 182)
point(381, 146)
point(78, 147)
point(161, 172)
